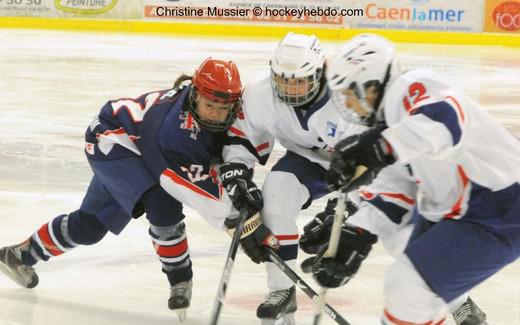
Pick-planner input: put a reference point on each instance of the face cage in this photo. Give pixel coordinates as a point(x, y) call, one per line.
point(339, 100)
point(208, 125)
point(311, 82)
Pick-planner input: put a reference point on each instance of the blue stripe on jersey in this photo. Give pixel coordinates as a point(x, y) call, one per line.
point(305, 113)
point(444, 113)
point(391, 210)
point(246, 144)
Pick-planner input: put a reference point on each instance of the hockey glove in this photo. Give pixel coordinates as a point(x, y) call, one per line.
point(316, 233)
point(367, 149)
point(242, 191)
point(255, 237)
point(354, 246)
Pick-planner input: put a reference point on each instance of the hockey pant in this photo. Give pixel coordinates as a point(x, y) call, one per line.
point(445, 260)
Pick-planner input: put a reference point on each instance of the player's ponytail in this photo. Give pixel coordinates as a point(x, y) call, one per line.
point(182, 78)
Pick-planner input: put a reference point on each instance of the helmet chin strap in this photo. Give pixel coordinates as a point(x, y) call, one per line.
point(381, 90)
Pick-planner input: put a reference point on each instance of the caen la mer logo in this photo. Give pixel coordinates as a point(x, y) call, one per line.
point(88, 7)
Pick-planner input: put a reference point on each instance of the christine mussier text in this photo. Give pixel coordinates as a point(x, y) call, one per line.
point(162, 11)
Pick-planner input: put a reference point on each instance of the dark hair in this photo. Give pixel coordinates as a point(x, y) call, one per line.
point(182, 78)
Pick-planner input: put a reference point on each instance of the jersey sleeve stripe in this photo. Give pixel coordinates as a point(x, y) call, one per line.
point(393, 211)
point(398, 196)
point(444, 113)
point(262, 159)
point(236, 131)
point(456, 210)
point(457, 105)
point(181, 181)
point(262, 147)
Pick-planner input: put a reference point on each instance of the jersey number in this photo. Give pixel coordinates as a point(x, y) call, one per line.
point(416, 94)
point(195, 173)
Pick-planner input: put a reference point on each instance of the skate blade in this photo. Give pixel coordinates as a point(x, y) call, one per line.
point(182, 314)
point(12, 275)
point(287, 319)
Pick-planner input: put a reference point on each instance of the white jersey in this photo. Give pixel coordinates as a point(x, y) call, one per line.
point(311, 133)
point(386, 207)
point(451, 145)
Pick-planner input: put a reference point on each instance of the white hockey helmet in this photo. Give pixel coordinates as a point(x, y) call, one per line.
point(366, 61)
point(297, 68)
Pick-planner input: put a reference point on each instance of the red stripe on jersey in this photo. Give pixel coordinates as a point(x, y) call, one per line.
point(236, 131)
point(172, 251)
point(118, 131)
point(263, 146)
point(47, 241)
point(399, 196)
point(367, 195)
point(109, 132)
point(398, 321)
point(461, 112)
point(189, 121)
point(455, 211)
point(287, 237)
point(181, 181)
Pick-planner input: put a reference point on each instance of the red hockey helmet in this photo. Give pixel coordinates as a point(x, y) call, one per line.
point(218, 81)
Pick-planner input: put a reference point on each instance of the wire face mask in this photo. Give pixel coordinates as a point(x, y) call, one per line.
point(356, 104)
point(296, 91)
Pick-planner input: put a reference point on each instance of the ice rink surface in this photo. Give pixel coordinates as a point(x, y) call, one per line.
point(51, 86)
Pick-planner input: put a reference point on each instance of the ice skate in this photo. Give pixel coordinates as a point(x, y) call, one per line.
point(469, 314)
point(180, 297)
point(278, 308)
point(287, 319)
point(11, 264)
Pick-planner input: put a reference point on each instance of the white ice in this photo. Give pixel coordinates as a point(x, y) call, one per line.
point(53, 83)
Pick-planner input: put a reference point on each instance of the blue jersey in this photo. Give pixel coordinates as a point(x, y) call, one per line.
point(158, 128)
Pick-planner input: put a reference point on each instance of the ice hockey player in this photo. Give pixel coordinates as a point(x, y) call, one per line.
point(149, 155)
point(466, 168)
point(383, 214)
point(292, 106)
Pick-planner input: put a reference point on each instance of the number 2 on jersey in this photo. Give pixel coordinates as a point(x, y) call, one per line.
point(416, 94)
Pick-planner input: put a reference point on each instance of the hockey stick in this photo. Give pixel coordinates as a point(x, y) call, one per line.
point(331, 251)
point(335, 233)
point(226, 273)
point(300, 283)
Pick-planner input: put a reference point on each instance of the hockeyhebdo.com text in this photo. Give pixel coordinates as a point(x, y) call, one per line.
point(237, 12)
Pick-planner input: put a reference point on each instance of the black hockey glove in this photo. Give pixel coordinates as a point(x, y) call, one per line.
point(354, 246)
point(367, 149)
point(316, 233)
point(242, 191)
point(255, 237)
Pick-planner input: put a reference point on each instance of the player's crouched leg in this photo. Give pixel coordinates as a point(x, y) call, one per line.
point(54, 238)
point(284, 196)
point(408, 298)
point(171, 245)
